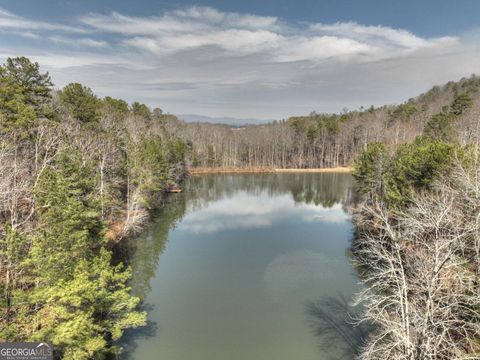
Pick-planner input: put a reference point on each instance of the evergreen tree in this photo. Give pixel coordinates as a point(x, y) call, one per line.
point(82, 315)
point(73, 296)
point(34, 86)
point(69, 218)
point(141, 110)
point(441, 127)
point(369, 168)
point(80, 102)
point(57, 281)
point(25, 94)
point(148, 168)
point(461, 103)
point(115, 107)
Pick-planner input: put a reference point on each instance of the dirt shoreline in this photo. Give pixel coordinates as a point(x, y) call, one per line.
point(202, 171)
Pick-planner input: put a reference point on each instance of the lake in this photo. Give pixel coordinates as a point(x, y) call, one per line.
point(239, 267)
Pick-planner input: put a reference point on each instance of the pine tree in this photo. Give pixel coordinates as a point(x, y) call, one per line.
point(83, 315)
point(25, 94)
point(80, 102)
point(72, 296)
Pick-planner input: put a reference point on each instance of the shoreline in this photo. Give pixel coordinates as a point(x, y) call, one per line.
point(265, 170)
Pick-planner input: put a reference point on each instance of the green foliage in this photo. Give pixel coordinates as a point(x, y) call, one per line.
point(297, 123)
point(25, 94)
point(115, 107)
point(413, 167)
point(441, 127)
point(315, 124)
point(461, 103)
point(195, 159)
point(141, 110)
point(35, 86)
point(312, 133)
point(13, 251)
point(431, 95)
point(331, 124)
point(69, 219)
point(211, 156)
point(13, 247)
point(14, 112)
point(81, 315)
point(79, 301)
point(176, 151)
point(158, 113)
point(57, 281)
point(369, 168)
point(404, 112)
point(80, 102)
point(148, 168)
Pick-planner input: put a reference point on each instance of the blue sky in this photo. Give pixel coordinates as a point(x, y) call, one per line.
point(251, 59)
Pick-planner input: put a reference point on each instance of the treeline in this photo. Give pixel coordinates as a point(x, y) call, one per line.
point(76, 173)
point(417, 244)
point(329, 140)
point(326, 191)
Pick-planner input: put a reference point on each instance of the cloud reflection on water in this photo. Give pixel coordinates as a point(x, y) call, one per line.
point(245, 211)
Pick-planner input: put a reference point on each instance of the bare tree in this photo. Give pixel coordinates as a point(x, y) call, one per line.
point(421, 293)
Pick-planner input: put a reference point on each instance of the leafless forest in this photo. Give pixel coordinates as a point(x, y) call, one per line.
point(421, 266)
point(324, 140)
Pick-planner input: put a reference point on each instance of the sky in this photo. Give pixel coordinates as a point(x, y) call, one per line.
point(248, 59)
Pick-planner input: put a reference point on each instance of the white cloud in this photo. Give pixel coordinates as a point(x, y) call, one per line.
point(12, 21)
point(322, 47)
point(241, 34)
point(373, 34)
point(78, 41)
point(188, 20)
point(242, 65)
point(223, 19)
point(28, 34)
point(231, 40)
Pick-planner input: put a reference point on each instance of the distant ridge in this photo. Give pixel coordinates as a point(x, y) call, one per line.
point(222, 120)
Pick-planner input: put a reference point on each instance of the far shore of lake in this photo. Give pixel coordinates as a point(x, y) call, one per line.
point(267, 170)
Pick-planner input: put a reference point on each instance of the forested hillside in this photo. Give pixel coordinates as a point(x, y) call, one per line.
point(331, 140)
point(417, 244)
point(76, 173)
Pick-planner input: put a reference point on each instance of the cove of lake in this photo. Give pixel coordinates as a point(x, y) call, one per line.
point(240, 266)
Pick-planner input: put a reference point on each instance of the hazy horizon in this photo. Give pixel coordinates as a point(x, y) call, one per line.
point(247, 61)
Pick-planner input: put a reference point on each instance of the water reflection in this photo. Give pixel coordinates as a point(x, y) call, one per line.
point(226, 267)
point(143, 253)
point(287, 272)
point(334, 321)
point(305, 188)
point(245, 210)
point(129, 341)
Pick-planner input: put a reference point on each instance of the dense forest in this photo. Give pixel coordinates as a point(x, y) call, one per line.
point(417, 244)
point(77, 173)
point(331, 140)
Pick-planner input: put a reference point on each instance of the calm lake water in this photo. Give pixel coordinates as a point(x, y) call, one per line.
point(228, 267)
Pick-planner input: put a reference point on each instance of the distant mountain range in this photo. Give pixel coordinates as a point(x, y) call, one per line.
point(221, 120)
